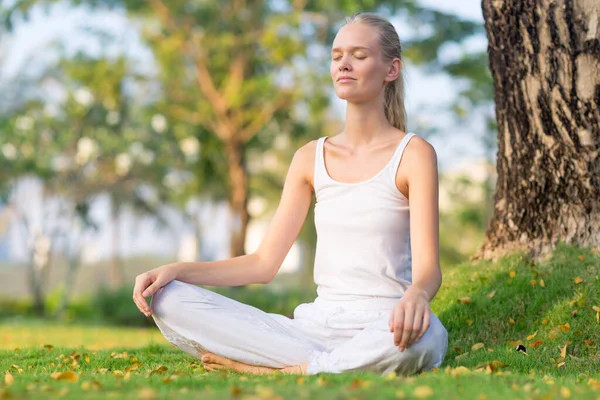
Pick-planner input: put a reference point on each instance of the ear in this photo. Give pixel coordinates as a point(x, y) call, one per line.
point(394, 70)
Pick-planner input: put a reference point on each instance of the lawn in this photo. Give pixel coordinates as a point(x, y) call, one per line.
point(550, 309)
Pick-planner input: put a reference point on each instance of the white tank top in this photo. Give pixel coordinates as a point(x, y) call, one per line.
point(363, 234)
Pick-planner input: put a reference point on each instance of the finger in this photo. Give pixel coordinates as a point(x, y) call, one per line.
point(426, 322)
point(150, 290)
point(398, 326)
point(417, 323)
point(409, 316)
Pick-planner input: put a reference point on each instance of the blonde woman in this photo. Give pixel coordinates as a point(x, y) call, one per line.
point(377, 258)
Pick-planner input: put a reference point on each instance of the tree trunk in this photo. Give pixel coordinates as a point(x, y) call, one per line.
point(544, 58)
point(116, 264)
point(238, 197)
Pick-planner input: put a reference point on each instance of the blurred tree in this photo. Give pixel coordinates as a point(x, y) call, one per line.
point(232, 67)
point(544, 59)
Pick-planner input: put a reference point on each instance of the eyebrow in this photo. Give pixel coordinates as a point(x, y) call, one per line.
point(350, 48)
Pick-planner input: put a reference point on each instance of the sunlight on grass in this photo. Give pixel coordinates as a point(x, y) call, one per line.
point(14, 335)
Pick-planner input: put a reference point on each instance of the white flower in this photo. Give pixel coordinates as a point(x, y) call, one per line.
point(123, 164)
point(84, 96)
point(24, 123)
point(86, 148)
point(9, 151)
point(159, 123)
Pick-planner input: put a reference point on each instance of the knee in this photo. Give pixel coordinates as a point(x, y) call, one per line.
point(166, 299)
point(427, 353)
point(177, 296)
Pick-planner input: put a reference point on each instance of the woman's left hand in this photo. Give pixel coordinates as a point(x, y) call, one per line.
point(410, 318)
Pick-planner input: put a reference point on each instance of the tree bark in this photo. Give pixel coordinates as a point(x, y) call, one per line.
point(238, 197)
point(544, 58)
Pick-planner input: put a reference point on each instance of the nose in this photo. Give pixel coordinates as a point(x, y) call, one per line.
point(344, 65)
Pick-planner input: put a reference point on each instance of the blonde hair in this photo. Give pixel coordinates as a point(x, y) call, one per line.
point(390, 46)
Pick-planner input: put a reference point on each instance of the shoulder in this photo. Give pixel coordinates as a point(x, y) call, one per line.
point(419, 152)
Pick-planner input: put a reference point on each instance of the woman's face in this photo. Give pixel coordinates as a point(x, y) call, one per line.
point(355, 54)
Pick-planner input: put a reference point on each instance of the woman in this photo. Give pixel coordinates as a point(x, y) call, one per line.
point(376, 264)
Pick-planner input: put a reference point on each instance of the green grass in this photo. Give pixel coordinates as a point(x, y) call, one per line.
point(138, 363)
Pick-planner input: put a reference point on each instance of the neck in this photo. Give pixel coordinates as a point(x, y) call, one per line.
point(365, 124)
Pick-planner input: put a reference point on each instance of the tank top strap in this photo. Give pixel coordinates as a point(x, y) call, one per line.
point(400, 150)
point(395, 162)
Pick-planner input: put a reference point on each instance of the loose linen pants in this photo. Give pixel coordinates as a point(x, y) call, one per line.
point(331, 336)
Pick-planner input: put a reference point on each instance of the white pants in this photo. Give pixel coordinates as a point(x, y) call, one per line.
point(330, 336)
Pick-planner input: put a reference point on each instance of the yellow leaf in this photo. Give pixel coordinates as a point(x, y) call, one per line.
point(512, 273)
point(423, 392)
point(9, 379)
point(460, 370)
point(565, 392)
point(565, 327)
point(563, 351)
point(544, 321)
point(465, 300)
point(469, 322)
point(476, 346)
point(491, 294)
point(596, 308)
point(511, 321)
point(533, 282)
point(69, 376)
point(532, 335)
point(560, 364)
point(147, 394)
point(542, 284)
point(581, 257)
point(578, 280)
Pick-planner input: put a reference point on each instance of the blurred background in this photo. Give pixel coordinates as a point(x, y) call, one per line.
point(135, 134)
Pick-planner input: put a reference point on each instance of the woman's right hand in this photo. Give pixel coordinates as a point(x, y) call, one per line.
point(148, 283)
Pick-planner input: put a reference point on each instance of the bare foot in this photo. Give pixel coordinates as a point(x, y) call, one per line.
point(213, 362)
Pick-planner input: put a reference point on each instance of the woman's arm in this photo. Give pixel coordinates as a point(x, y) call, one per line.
point(423, 189)
point(258, 267)
point(410, 318)
point(262, 265)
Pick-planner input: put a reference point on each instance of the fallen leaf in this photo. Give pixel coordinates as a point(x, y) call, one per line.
point(581, 257)
point(147, 394)
point(578, 280)
point(460, 370)
point(458, 350)
point(533, 282)
point(588, 342)
point(9, 379)
point(476, 346)
point(469, 322)
point(465, 300)
point(160, 370)
point(69, 376)
point(536, 344)
point(565, 327)
point(515, 342)
point(461, 356)
point(512, 273)
point(360, 383)
point(532, 335)
point(511, 321)
point(423, 392)
point(491, 294)
point(563, 351)
point(544, 321)
point(542, 284)
point(565, 392)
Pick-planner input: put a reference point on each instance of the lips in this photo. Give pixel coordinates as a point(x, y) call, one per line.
point(345, 78)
